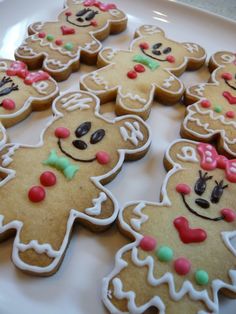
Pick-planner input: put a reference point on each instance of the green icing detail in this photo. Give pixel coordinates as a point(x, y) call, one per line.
point(217, 109)
point(201, 277)
point(164, 253)
point(68, 46)
point(50, 37)
point(152, 64)
point(61, 163)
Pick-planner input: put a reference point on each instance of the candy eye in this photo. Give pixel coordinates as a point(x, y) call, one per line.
point(167, 50)
point(157, 46)
point(83, 129)
point(91, 15)
point(97, 136)
point(156, 52)
point(200, 185)
point(82, 12)
point(80, 144)
point(218, 191)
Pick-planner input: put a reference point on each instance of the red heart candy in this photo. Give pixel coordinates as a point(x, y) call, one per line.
point(67, 30)
point(231, 99)
point(186, 234)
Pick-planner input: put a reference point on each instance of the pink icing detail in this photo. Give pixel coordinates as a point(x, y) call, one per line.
point(17, 68)
point(182, 266)
point(231, 99)
point(170, 59)
point(227, 76)
point(210, 160)
point(36, 194)
point(228, 214)
point(230, 114)
point(62, 132)
point(36, 77)
point(41, 35)
point(183, 188)
point(148, 243)
point(67, 30)
point(186, 234)
point(205, 103)
point(100, 5)
point(48, 178)
point(103, 157)
point(8, 104)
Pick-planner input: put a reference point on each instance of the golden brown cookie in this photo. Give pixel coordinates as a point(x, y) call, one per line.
point(59, 46)
point(212, 113)
point(149, 69)
point(182, 254)
point(46, 188)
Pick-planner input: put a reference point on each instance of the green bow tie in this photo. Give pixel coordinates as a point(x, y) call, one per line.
point(62, 164)
point(149, 62)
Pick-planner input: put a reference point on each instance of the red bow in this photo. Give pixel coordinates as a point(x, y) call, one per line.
point(19, 68)
point(100, 5)
point(211, 160)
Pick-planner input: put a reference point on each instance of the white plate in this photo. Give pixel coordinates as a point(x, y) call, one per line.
point(76, 288)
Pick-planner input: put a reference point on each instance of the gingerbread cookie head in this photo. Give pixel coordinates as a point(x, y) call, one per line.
point(59, 46)
point(22, 91)
point(175, 262)
point(79, 152)
point(150, 68)
point(212, 111)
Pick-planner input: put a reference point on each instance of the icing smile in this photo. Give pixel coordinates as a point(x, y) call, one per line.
point(231, 86)
point(70, 156)
point(151, 56)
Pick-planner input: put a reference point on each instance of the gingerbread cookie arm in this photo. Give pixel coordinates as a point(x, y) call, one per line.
point(106, 56)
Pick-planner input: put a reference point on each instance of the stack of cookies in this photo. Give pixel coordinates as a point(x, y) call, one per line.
point(180, 253)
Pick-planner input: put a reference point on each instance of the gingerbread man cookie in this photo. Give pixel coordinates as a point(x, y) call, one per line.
point(21, 92)
point(47, 188)
point(182, 254)
point(59, 46)
point(149, 69)
point(212, 113)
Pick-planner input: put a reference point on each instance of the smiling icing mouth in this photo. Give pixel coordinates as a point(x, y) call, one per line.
point(70, 156)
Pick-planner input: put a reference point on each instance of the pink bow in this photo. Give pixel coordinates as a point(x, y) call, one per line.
point(19, 68)
point(211, 160)
point(102, 6)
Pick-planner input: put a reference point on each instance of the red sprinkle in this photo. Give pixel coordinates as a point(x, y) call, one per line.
point(41, 35)
point(139, 68)
point(8, 104)
point(183, 188)
point(62, 132)
point(36, 194)
point(58, 42)
point(182, 266)
point(227, 76)
point(230, 114)
point(148, 243)
point(48, 178)
point(103, 157)
point(170, 59)
point(205, 103)
point(144, 46)
point(228, 214)
point(132, 75)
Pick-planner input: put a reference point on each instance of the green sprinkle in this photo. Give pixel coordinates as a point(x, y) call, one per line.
point(68, 46)
point(152, 64)
point(70, 171)
point(201, 277)
point(164, 253)
point(50, 37)
point(217, 109)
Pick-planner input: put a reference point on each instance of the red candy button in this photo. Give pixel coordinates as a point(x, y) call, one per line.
point(227, 76)
point(144, 46)
point(36, 194)
point(94, 23)
point(170, 59)
point(58, 42)
point(148, 243)
point(8, 104)
point(230, 114)
point(68, 13)
point(103, 158)
point(228, 214)
point(132, 75)
point(205, 103)
point(41, 35)
point(182, 266)
point(62, 132)
point(183, 188)
point(139, 68)
point(48, 178)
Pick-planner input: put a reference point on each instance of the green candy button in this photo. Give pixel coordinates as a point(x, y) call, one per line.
point(217, 109)
point(164, 253)
point(50, 37)
point(68, 46)
point(201, 277)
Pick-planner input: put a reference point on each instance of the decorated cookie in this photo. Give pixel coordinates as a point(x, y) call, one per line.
point(22, 91)
point(212, 113)
point(149, 69)
point(58, 47)
point(61, 180)
point(182, 254)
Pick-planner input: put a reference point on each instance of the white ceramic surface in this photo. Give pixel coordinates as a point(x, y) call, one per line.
point(76, 288)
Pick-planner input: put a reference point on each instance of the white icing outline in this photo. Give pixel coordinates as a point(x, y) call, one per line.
point(45, 247)
point(186, 288)
point(135, 133)
point(97, 202)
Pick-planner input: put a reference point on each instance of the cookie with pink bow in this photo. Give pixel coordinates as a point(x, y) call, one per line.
point(22, 91)
point(148, 70)
point(59, 46)
point(47, 188)
point(211, 114)
point(181, 255)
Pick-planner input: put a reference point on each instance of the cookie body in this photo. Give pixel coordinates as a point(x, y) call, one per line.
point(59, 46)
point(212, 114)
point(60, 181)
point(149, 69)
point(182, 254)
